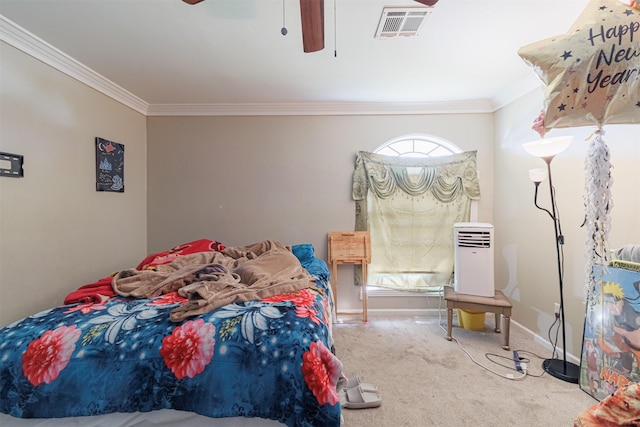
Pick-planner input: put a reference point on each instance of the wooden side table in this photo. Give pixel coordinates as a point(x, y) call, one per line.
point(350, 247)
point(499, 305)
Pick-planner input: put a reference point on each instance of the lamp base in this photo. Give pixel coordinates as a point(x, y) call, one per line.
point(557, 368)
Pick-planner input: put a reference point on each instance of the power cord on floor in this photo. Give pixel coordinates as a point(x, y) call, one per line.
point(520, 352)
point(554, 342)
point(524, 362)
point(524, 366)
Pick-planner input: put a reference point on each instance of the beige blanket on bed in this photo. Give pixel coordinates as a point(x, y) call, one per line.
point(213, 279)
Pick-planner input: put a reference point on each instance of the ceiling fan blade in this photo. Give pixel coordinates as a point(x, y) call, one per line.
point(312, 14)
point(192, 1)
point(427, 2)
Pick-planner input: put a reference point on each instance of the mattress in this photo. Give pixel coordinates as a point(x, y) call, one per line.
point(120, 360)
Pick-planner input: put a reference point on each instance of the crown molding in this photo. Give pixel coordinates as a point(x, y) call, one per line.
point(16, 36)
point(321, 108)
point(32, 45)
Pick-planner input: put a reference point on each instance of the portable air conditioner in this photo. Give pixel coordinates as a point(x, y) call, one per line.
point(473, 259)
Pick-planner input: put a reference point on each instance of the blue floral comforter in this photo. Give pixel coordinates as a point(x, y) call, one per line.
point(269, 358)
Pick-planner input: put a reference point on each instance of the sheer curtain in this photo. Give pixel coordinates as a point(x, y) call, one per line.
point(409, 206)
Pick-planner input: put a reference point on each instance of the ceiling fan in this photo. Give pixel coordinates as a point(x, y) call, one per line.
point(312, 16)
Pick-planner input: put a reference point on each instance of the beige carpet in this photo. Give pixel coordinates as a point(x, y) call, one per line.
point(426, 380)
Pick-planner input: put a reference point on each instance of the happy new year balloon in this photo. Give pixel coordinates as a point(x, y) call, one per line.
point(592, 73)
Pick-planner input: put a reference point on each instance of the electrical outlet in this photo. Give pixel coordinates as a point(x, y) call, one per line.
point(556, 308)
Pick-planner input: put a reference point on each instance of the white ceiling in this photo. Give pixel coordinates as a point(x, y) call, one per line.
point(231, 52)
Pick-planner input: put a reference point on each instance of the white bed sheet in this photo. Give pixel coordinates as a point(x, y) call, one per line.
point(161, 418)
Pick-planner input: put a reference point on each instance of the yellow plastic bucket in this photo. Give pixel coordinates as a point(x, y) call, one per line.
point(471, 320)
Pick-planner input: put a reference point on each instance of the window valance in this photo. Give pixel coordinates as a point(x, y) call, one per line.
point(444, 176)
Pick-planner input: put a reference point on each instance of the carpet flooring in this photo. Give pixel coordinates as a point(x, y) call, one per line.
point(426, 380)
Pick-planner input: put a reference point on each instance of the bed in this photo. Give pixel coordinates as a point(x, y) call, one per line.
point(198, 334)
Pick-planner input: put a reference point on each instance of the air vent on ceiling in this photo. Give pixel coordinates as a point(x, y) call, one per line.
point(401, 21)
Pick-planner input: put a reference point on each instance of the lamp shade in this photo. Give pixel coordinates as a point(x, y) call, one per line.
point(537, 175)
point(548, 147)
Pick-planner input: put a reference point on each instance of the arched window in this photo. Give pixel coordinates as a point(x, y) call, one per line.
point(417, 146)
point(395, 279)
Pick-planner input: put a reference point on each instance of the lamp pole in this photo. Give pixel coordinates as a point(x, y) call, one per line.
point(547, 149)
point(560, 369)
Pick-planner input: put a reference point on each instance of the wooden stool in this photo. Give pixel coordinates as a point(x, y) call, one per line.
point(500, 305)
point(349, 247)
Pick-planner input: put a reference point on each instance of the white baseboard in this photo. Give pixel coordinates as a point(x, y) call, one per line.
point(396, 311)
point(545, 343)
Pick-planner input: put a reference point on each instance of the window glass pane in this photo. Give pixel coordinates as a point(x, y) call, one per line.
point(387, 151)
point(404, 146)
point(418, 146)
point(425, 147)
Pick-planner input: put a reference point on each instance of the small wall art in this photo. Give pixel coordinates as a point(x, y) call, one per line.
point(11, 165)
point(109, 166)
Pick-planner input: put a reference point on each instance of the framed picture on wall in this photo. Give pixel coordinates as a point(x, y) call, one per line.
point(611, 343)
point(109, 166)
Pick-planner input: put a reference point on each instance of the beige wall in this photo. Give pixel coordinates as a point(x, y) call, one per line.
point(56, 232)
point(243, 179)
point(525, 241)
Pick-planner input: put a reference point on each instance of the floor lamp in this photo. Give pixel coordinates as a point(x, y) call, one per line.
point(547, 149)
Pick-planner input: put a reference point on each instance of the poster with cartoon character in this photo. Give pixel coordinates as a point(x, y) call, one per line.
point(109, 166)
point(611, 344)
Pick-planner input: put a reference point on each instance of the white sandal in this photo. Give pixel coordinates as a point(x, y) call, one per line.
point(357, 398)
point(355, 382)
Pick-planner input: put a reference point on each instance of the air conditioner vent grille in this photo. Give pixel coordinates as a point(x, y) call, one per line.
point(404, 22)
point(474, 239)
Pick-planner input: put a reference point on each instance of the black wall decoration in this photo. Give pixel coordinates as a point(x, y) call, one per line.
point(11, 165)
point(109, 166)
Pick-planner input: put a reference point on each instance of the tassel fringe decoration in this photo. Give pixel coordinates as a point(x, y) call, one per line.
point(598, 205)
